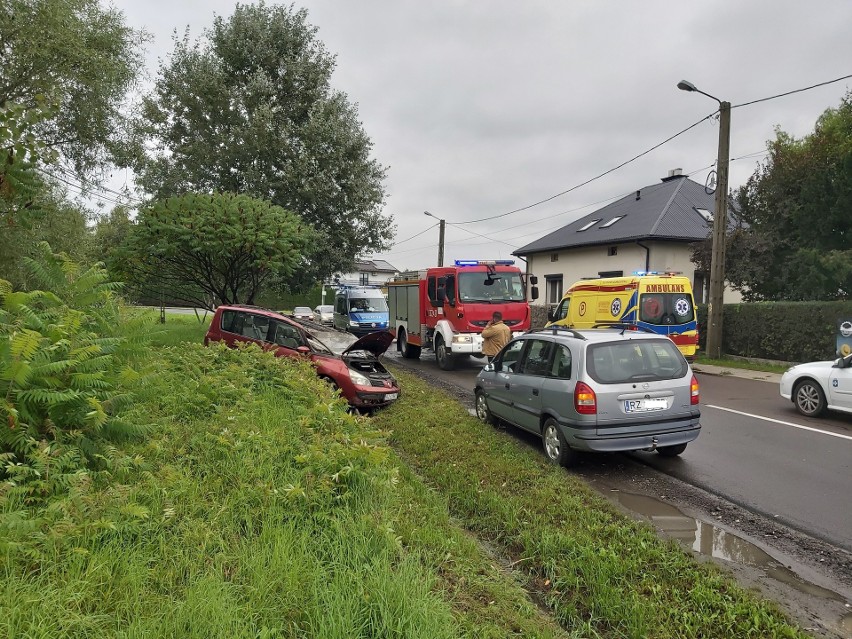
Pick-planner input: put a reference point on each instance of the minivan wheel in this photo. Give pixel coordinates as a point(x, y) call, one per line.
point(809, 398)
point(555, 446)
point(671, 451)
point(443, 356)
point(482, 411)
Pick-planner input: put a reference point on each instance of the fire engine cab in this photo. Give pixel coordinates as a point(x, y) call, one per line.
point(445, 308)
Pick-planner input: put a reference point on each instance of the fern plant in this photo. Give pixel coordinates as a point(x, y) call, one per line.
point(62, 362)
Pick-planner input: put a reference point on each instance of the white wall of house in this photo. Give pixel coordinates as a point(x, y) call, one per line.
point(593, 261)
point(365, 278)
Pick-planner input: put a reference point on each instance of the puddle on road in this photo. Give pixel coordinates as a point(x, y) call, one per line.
point(845, 625)
point(709, 540)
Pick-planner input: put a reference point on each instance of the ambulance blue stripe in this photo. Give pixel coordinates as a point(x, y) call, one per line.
point(665, 329)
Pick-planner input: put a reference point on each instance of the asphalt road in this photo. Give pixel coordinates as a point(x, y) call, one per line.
point(754, 450)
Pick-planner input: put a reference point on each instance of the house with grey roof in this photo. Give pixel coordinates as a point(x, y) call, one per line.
point(367, 272)
point(649, 230)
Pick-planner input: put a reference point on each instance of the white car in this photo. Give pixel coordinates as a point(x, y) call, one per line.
point(324, 314)
point(303, 312)
point(816, 386)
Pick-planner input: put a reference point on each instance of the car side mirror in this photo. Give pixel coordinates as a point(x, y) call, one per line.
point(489, 367)
point(533, 280)
point(303, 350)
point(534, 293)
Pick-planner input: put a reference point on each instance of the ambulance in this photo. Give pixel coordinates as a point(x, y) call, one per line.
point(658, 302)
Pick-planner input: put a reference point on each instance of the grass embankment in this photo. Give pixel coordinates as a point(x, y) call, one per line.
point(257, 508)
point(601, 573)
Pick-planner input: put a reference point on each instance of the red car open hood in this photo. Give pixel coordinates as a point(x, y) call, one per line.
point(375, 343)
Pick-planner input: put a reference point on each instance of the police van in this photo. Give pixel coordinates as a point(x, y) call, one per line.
point(658, 302)
point(360, 309)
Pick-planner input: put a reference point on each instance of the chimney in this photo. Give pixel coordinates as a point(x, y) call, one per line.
point(638, 195)
point(673, 175)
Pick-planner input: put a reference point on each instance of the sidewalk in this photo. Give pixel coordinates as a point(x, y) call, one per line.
point(744, 373)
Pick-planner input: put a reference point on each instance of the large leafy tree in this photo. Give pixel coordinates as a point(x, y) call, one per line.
point(206, 250)
point(795, 237)
point(78, 57)
point(249, 109)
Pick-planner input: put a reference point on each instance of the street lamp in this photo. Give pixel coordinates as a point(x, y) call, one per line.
point(720, 223)
point(440, 238)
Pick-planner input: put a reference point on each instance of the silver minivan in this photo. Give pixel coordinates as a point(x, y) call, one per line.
point(601, 390)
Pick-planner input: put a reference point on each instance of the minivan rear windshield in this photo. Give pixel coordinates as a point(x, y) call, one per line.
point(666, 308)
point(635, 361)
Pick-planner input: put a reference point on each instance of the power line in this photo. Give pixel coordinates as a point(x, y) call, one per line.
point(781, 95)
point(597, 177)
point(415, 235)
point(98, 187)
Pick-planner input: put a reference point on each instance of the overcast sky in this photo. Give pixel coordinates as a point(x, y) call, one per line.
point(479, 108)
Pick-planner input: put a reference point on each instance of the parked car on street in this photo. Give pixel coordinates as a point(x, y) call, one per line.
point(303, 312)
point(817, 386)
point(356, 372)
point(324, 314)
point(602, 390)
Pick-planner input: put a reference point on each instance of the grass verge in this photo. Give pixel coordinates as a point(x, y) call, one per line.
point(258, 508)
point(744, 364)
point(601, 573)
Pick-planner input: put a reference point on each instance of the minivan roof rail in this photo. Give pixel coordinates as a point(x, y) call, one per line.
point(555, 328)
point(624, 327)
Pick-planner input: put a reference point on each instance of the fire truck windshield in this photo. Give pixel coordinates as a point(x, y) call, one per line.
point(503, 287)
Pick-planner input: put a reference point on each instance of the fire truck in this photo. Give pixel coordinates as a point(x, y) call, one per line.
point(445, 308)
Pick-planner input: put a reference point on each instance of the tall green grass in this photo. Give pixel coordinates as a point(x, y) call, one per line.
point(601, 573)
point(258, 508)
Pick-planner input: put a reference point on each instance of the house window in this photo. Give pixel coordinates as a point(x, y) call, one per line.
point(609, 223)
point(554, 257)
point(612, 251)
point(610, 273)
point(588, 226)
point(554, 289)
point(364, 279)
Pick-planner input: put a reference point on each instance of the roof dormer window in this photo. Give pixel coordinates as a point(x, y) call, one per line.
point(589, 225)
point(611, 222)
point(707, 215)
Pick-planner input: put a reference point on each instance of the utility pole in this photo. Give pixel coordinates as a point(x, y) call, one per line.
point(441, 244)
point(720, 226)
point(442, 224)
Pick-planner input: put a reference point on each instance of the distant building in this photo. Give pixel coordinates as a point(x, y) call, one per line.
point(367, 273)
point(649, 230)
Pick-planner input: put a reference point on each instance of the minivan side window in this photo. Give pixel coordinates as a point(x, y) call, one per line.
point(561, 368)
point(510, 356)
point(287, 336)
point(255, 327)
point(232, 322)
point(536, 361)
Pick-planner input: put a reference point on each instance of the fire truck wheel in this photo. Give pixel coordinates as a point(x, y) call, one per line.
point(443, 355)
point(409, 351)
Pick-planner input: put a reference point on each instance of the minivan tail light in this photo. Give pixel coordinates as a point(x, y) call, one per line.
point(585, 401)
point(693, 391)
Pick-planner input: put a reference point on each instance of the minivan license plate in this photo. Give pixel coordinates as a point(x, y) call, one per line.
point(391, 396)
point(639, 405)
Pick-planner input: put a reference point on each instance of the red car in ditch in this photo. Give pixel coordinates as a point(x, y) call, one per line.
point(357, 371)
